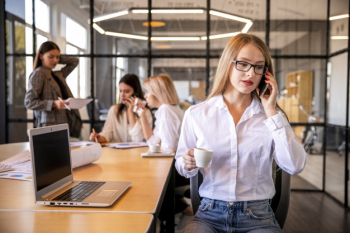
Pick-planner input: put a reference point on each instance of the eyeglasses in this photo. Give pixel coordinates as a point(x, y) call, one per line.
point(245, 67)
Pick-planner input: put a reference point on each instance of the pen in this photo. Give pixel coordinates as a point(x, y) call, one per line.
point(94, 132)
point(65, 104)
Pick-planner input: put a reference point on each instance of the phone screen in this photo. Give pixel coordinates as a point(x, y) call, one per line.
point(263, 87)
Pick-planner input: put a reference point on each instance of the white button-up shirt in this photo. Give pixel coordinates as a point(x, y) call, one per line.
point(167, 127)
point(241, 168)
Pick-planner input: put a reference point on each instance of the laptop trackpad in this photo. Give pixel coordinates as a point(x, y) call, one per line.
point(106, 193)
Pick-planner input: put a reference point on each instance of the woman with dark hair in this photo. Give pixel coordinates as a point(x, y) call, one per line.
point(46, 87)
point(122, 124)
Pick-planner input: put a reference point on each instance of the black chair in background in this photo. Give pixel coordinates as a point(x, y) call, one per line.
point(97, 125)
point(279, 203)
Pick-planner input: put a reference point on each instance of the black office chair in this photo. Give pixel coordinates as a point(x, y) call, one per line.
point(279, 203)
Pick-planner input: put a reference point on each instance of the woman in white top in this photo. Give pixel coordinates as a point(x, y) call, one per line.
point(122, 124)
point(246, 134)
point(161, 94)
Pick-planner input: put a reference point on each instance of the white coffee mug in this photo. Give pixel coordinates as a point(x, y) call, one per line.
point(203, 156)
point(154, 148)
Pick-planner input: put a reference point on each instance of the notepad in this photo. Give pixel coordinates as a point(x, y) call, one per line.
point(120, 145)
point(77, 103)
point(158, 154)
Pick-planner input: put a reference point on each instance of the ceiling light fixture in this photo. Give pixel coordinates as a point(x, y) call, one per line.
point(246, 28)
point(98, 28)
point(110, 16)
point(339, 17)
point(126, 35)
point(339, 37)
point(154, 24)
point(229, 16)
point(175, 38)
point(170, 11)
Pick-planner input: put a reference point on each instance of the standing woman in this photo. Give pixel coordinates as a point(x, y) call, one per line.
point(46, 87)
point(246, 134)
point(122, 124)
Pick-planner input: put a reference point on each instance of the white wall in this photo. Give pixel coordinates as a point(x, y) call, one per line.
point(337, 90)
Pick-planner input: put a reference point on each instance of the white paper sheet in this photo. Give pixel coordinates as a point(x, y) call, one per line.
point(77, 103)
point(23, 167)
point(119, 145)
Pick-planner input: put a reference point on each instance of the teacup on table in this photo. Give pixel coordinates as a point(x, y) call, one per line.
point(203, 157)
point(154, 148)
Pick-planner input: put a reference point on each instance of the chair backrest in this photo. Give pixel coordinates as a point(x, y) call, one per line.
point(279, 203)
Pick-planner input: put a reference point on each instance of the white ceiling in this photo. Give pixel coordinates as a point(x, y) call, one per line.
point(253, 9)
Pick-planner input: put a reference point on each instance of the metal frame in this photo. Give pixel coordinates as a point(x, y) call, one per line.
point(4, 119)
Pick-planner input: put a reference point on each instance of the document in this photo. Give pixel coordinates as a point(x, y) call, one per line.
point(21, 165)
point(120, 145)
point(158, 154)
point(77, 103)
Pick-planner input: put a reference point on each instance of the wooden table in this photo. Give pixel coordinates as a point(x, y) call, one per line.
point(61, 222)
point(150, 177)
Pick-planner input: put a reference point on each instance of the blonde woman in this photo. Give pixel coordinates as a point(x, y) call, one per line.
point(246, 134)
point(161, 94)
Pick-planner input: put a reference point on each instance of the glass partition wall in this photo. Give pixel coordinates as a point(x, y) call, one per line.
point(308, 41)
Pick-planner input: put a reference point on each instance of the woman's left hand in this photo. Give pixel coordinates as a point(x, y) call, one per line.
point(269, 101)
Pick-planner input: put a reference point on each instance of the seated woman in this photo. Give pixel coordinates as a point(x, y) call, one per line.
point(161, 94)
point(246, 133)
point(122, 124)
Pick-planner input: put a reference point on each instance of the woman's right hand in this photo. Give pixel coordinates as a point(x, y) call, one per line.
point(189, 159)
point(96, 137)
point(59, 104)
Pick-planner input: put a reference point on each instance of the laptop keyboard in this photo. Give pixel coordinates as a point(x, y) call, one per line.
point(79, 192)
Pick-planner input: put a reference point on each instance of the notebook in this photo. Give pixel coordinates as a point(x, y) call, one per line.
point(53, 175)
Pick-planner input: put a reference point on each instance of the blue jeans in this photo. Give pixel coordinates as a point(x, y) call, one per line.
point(245, 216)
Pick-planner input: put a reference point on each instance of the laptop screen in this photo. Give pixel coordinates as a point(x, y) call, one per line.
point(52, 158)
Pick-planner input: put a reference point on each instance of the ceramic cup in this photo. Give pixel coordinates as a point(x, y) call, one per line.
point(203, 157)
point(153, 148)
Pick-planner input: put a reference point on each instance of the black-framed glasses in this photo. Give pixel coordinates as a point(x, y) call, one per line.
point(245, 67)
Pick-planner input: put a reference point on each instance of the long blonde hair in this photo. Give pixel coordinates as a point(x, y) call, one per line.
point(230, 53)
point(162, 87)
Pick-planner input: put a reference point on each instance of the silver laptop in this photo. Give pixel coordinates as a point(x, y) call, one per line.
point(53, 175)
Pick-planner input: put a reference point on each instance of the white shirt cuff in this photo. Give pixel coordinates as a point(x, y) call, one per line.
point(276, 122)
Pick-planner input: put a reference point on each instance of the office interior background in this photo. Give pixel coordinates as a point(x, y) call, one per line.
point(308, 42)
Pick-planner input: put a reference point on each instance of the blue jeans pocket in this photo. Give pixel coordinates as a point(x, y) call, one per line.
point(204, 206)
point(261, 211)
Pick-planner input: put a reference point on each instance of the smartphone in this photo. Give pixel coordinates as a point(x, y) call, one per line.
point(263, 87)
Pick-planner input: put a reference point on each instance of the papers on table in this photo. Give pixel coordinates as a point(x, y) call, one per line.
point(82, 143)
point(120, 145)
point(77, 103)
point(21, 167)
point(158, 154)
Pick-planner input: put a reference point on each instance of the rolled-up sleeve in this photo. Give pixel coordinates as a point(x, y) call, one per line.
point(187, 140)
point(289, 153)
